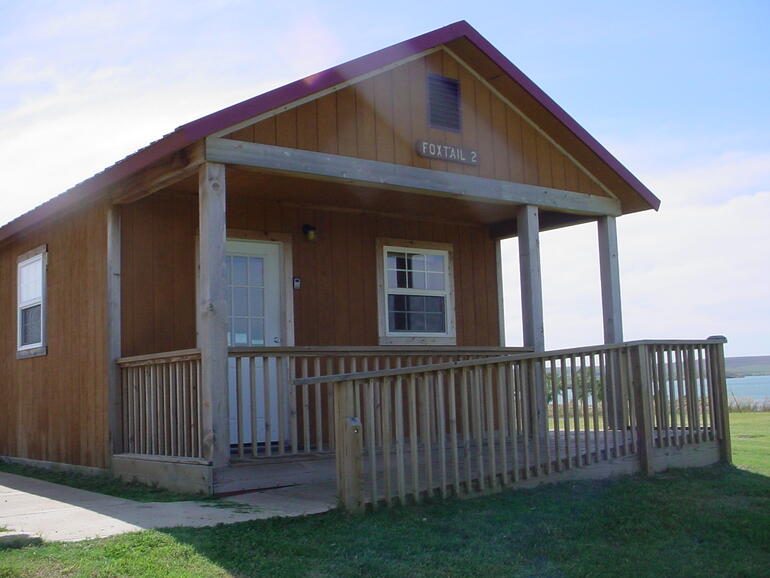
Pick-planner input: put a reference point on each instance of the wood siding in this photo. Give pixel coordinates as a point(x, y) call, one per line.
point(337, 304)
point(382, 117)
point(54, 408)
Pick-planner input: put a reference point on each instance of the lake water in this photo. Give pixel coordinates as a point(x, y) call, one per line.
point(754, 386)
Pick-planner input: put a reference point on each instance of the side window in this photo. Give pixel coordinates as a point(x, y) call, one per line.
point(416, 298)
point(31, 303)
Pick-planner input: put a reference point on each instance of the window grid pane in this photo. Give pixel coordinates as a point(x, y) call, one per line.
point(246, 297)
point(31, 326)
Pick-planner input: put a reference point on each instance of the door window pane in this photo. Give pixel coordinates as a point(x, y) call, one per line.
point(240, 332)
point(256, 273)
point(257, 331)
point(239, 275)
point(240, 302)
point(256, 302)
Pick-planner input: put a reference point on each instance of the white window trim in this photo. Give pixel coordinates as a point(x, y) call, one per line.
point(387, 337)
point(40, 348)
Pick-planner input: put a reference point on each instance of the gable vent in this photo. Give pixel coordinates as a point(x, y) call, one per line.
point(443, 102)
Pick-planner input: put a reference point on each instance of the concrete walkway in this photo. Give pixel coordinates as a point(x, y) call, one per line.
point(59, 513)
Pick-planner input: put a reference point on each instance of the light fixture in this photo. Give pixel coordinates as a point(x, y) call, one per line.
point(309, 232)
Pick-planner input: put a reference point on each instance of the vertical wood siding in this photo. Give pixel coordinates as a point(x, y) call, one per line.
point(382, 117)
point(54, 408)
point(337, 304)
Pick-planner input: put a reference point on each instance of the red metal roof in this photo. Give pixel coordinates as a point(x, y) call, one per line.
point(193, 131)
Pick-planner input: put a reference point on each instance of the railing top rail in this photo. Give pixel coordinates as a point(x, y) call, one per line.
point(554, 354)
point(353, 350)
point(163, 357)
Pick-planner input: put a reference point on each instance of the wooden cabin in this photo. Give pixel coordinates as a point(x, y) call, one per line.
point(312, 278)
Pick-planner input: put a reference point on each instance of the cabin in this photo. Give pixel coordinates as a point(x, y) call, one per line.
point(306, 287)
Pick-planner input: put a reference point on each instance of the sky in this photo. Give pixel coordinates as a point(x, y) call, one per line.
point(677, 90)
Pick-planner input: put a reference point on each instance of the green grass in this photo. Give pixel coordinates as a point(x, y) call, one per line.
point(702, 522)
point(751, 441)
point(101, 483)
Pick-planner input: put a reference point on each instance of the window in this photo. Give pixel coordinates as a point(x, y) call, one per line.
point(31, 270)
point(416, 300)
point(443, 102)
point(246, 298)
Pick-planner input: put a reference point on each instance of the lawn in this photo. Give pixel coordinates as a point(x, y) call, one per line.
point(707, 522)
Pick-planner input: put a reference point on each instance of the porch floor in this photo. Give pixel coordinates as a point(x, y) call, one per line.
point(315, 474)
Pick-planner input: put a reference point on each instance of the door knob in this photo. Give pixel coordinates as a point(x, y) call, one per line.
point(276, 340)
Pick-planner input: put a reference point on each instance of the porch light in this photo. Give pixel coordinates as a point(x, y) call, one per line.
point(310, 232)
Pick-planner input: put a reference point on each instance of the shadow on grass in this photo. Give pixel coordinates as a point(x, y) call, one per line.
point(707, 521)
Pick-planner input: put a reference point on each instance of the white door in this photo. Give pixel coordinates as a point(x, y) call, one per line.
point(254, 320)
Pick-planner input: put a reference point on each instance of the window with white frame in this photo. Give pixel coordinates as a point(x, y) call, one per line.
point(31, 274)
point(417, 293)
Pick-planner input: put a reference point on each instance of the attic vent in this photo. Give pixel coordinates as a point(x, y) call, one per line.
point(443, 102)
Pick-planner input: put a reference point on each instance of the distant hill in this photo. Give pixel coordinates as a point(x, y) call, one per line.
point(743, 366)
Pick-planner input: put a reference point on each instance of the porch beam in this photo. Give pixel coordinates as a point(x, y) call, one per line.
point(531, 278)
point(212, 331)
point(610, 280)
point(398, 177)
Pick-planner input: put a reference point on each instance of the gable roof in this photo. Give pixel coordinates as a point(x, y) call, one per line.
point(196, 130)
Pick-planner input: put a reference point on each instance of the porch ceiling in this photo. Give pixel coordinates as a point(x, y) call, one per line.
point(501, 218)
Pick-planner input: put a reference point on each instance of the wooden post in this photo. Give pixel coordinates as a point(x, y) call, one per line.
point(531, 278)
point(641, 389)
point(723, 411)
point(528, 225)
point(349, 450)
point(610, 280)
point(114, 333)
point(212, 332)
point(612, 318)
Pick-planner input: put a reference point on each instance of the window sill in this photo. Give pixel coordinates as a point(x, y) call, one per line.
point(390, 340)
point(35, 352)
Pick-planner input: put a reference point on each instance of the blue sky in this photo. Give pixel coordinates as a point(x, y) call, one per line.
point(678, 91)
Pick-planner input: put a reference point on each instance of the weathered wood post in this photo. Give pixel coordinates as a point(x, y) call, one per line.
point(641, 388)
point(212, 330)
point(612, 317)
point(722, 412)
point(349, 436)
point(528, 226)
point(116, 410)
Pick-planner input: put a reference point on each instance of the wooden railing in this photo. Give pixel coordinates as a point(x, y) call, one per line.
point(161, 405)
point(270, 415)
point(479, 425)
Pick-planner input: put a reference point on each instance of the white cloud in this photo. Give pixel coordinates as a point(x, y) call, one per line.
point(698, 267)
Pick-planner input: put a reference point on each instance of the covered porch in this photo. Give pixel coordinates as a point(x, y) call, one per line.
point(391, 421)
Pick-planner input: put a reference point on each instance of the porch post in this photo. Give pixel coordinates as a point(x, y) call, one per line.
point(531, 283)
point(212, 332)
point(610, 280)
point(528, 226)
point(114, 353)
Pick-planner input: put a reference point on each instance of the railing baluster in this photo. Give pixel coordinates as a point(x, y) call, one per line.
point(400, 464)
point(465, 386)
point(502, 422)
point(452, 393)
point(413, 437)
point(513, 423)
point(369, 425)
point(440, 431)
point(383, 411)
